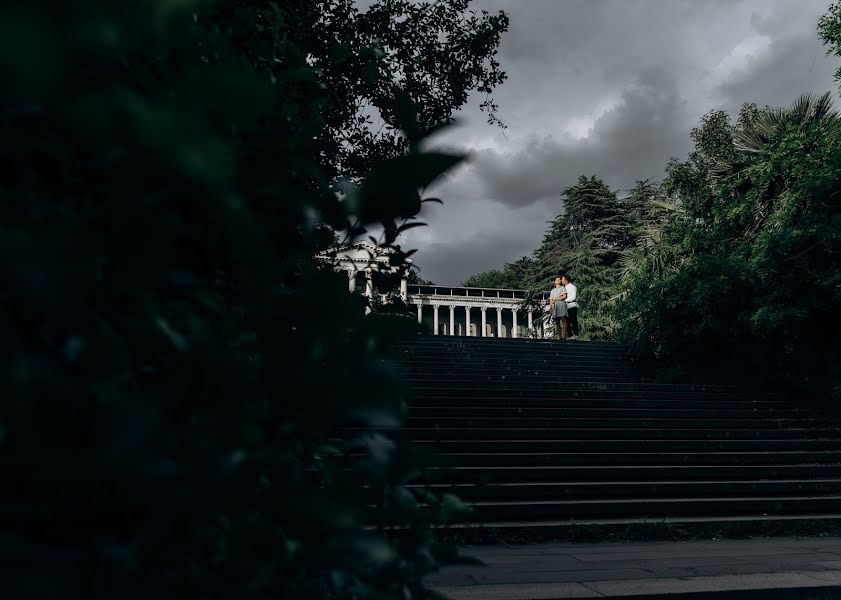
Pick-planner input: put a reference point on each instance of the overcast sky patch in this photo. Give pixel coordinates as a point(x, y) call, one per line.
point(605, 87)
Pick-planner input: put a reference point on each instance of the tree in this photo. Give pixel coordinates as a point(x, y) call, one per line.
point(651, 216)
point(829, 31)
point(585, 242)
point(175, 365)
point(487, 279)
point(436, 53)
point(518, 272)
point(688, 183)
point(755, 143)
point(416, 279)
point(646, 204)
point(753, 214)
point(513, 276)
point(592, 210)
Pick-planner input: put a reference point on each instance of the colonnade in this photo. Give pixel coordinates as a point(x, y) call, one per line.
point(467, 322)
point(363, 259)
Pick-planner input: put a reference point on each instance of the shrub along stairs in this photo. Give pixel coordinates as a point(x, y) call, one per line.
point(541, 435)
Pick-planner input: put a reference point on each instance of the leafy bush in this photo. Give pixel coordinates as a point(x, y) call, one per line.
point(753, 273)
point(176, 369)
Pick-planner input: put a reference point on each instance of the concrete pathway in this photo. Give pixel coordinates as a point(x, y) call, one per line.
point(782, 567)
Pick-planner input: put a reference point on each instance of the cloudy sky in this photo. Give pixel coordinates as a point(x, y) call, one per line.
point(606, 87)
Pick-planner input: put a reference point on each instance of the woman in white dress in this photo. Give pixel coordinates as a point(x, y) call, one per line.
point(559, 309)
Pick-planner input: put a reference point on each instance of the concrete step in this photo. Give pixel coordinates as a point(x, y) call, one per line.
point(511, 370)
point(522, 422)
point(478, 359)
point(628, 390)
point(419, 354)
point(624, 446)
point(508, 433)
point(512, 346)
point(524, 376)
point(562, 353)
point(630, 473)
point(613, 412)
point(679, 389)
point(573, 389)
point(479, 403)
point(554, 459)
point(465, 345)
point(519, 368)
point(545, 367)
point(433, 340)
point(508, 345)
point(541, 491)
point(537, 433)
point(523, 348)
point(557, 382)
point(645, 528)
point(653, 507)
point(458, 362)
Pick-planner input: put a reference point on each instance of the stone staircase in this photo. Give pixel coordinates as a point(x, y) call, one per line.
point(542, 434)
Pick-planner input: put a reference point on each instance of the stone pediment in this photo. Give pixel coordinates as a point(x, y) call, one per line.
point(364, 255)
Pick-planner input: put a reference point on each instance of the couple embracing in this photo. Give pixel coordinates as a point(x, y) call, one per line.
point(563, 303)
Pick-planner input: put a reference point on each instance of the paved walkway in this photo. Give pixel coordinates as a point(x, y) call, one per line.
point(555, 571)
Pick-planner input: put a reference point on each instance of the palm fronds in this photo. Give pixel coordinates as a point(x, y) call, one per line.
point(808, 110)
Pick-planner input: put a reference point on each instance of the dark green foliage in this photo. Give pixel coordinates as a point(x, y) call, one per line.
point(594, 217)
point(436, 53)
point(731, 265)
point(753, 256)
point(743, 276)
point(174, 365)
point(512, 276)
point(646, 206)
point(416, 279)
point(829, 30)
point(488, 279)
point(585, 242)
point(493, 278)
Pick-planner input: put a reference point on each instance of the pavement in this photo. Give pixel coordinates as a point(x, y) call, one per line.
point(802, 568)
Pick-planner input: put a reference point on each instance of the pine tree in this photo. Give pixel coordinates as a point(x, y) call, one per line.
point(585, 241)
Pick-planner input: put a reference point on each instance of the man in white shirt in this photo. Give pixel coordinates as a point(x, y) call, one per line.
point(571, 299)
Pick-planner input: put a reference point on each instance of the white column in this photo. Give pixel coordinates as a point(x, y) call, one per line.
point(514, 325)
point(404, 289)
point(484, 310)
point(351, 281)
point(369, 290)
point(452, 320)
point(498, 322)
point(530, 320)
point(420, 312)
point(435, 318)
point(467, 320)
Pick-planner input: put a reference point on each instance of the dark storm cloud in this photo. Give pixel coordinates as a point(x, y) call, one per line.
point(606, 87)
point(449, 263)
point(631, 141)
point(793, 65)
